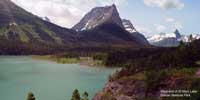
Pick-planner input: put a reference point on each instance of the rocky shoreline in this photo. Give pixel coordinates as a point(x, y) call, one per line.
point(135, 89)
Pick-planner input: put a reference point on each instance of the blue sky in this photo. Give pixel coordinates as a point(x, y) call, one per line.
point(148, 16)
point(186, 19)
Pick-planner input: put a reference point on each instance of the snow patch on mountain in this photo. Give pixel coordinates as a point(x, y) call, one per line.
point(128, 26)
point(190, 38)
point(171, 39)
point(46, 19)
point(160, 37)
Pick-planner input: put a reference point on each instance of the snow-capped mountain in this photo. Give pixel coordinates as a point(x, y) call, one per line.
point(164, 40)
point(98, 16)
point(103, 24)
point(177, 34)
point(196, 36)
point(160, 37)
point(171, 39)
point(189, 38)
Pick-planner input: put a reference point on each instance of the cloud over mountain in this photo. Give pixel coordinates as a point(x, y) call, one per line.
point(165, 4)
point(160, 28)
point(63, 12)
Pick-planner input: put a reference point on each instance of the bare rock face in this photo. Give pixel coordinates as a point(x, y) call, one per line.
point(121, 91)
point(98, 16)
point(104, 25)
point(177, 33)
point(136, 88)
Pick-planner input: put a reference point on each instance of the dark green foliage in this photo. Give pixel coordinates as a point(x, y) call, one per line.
point(160, 67)
point(196, 86)
point(16, 47)
point(75, 95)
point(191, 38)
point(153, 79)
point(85, 96)
point(67, 55)
point(99, 56)
point(193, 86)
point(107, 96)
point(30, 96)
point(183, 56)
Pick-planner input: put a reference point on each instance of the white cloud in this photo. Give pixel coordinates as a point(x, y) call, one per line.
point(175, 24)
point(178, 25)
point(165, 4)
point(144, 30)
point(160, 28)
point(169, 19)
point(108, 2)
point(63, 12)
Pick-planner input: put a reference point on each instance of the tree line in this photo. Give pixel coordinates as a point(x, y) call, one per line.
point(75, 96)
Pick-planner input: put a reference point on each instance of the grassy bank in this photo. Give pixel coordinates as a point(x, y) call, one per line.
point(61, 60)
point(71, 60)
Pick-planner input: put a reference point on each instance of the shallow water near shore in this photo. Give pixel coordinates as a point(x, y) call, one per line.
point(47, 80)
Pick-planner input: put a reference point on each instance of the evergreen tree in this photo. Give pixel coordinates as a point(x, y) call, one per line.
point(191, 38)
point(30, 96)
point(181, 44)
point(85, 96)
point(75, 95)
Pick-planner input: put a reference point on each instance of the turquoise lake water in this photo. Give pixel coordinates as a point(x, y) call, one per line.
point(47, 80)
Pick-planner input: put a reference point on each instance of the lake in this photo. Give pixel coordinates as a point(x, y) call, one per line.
point(47, 80)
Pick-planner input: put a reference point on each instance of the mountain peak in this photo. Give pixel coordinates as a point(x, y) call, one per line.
point(177, 33)
point(113, 5)
point(98, 16)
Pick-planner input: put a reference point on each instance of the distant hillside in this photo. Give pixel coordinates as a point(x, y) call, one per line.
point(25, 32)
point(18, 24)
